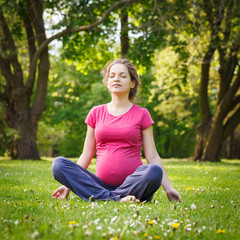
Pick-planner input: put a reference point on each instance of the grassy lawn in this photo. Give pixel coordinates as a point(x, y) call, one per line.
point(210, 208)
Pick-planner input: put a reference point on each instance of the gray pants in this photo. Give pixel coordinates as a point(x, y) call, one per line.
point(143, 183)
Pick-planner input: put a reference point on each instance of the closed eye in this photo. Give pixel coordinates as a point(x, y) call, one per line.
point(123, 75)
point(112, 75)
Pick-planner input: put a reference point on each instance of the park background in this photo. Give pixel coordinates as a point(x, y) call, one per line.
point(186, 53)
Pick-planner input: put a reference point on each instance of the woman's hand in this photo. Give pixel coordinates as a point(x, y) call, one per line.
point(61, 193)
point(173, 196)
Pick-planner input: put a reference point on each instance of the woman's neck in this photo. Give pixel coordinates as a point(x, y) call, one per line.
point(119, 106)
point(120, 102)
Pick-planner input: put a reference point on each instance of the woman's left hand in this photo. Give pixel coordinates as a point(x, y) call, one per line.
point(173, 196)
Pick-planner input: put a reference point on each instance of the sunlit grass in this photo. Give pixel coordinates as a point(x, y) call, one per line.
point(210, 208)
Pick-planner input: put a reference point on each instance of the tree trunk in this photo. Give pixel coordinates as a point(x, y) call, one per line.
point(124, 33)
point(26, 147)
point(203, 128)
point(18, 117)
point(202, 133)
point(212, 147)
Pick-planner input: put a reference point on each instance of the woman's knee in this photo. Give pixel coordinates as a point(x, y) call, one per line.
point(58, 163)
point(155, 174)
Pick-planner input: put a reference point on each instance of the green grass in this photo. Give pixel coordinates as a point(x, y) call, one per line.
point(210, 193)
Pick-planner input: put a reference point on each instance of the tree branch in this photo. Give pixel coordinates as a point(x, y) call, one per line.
point(226, 71)
point(6, 71)
point(205, 113)
point(231, 123)
point(29, 32)
point(9, 45)
point(124, 33)
point(35, 11)
point(215, 20)
point(66, 31)
point(226, 101)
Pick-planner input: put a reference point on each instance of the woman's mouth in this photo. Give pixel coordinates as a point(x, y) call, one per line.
point(116, 85)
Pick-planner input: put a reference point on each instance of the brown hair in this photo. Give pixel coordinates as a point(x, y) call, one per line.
point(132, 72)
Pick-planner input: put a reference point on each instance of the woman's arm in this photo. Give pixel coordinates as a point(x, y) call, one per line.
point(84, 160)
point(88, 148)
point(153, 157)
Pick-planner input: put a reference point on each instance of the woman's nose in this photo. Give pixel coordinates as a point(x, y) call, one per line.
point(116, 78)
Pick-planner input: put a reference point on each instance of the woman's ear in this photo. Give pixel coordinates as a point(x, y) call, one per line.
point(133, 83)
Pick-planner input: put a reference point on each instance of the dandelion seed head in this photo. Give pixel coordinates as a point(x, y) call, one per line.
point(96, 221)
point(114, 219)
point(99, 227)
point(16, 222)
point(35, 234)
point(87, 233)
point(193, 206)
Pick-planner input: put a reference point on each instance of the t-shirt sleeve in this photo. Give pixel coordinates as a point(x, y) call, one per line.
point(146, 119)
point(91, 118)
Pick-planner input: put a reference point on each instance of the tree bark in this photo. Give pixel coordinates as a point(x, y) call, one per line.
point(25, 147)
point(203, 128)
point(124, 33)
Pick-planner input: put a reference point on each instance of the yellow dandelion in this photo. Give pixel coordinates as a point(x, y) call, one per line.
point(114, 238)
point(156, 237)
point(71, 222)
point(150, 222)
point(196, 189)
point(220, 231)
point(145, 235)
point(189, 188)
point(175, 225)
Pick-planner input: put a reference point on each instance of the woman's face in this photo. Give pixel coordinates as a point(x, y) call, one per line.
point(119, 80)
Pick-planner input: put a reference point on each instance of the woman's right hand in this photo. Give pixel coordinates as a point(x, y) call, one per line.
point(61, 193)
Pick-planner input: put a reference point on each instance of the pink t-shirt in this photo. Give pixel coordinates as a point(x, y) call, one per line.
point(118, 141)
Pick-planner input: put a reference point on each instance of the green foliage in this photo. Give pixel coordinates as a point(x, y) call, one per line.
point(172, 103)
point(210, 207)
point(71, 95)
point(91, 49)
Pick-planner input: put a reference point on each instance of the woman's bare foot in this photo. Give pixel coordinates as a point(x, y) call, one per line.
point(129, 198)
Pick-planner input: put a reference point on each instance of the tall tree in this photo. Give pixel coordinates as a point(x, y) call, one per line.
point(215, 25)
point(223, 18)
point(25, 94)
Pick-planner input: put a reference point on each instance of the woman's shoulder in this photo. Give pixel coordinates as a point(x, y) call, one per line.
point(140, 109)
point(98, 108)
